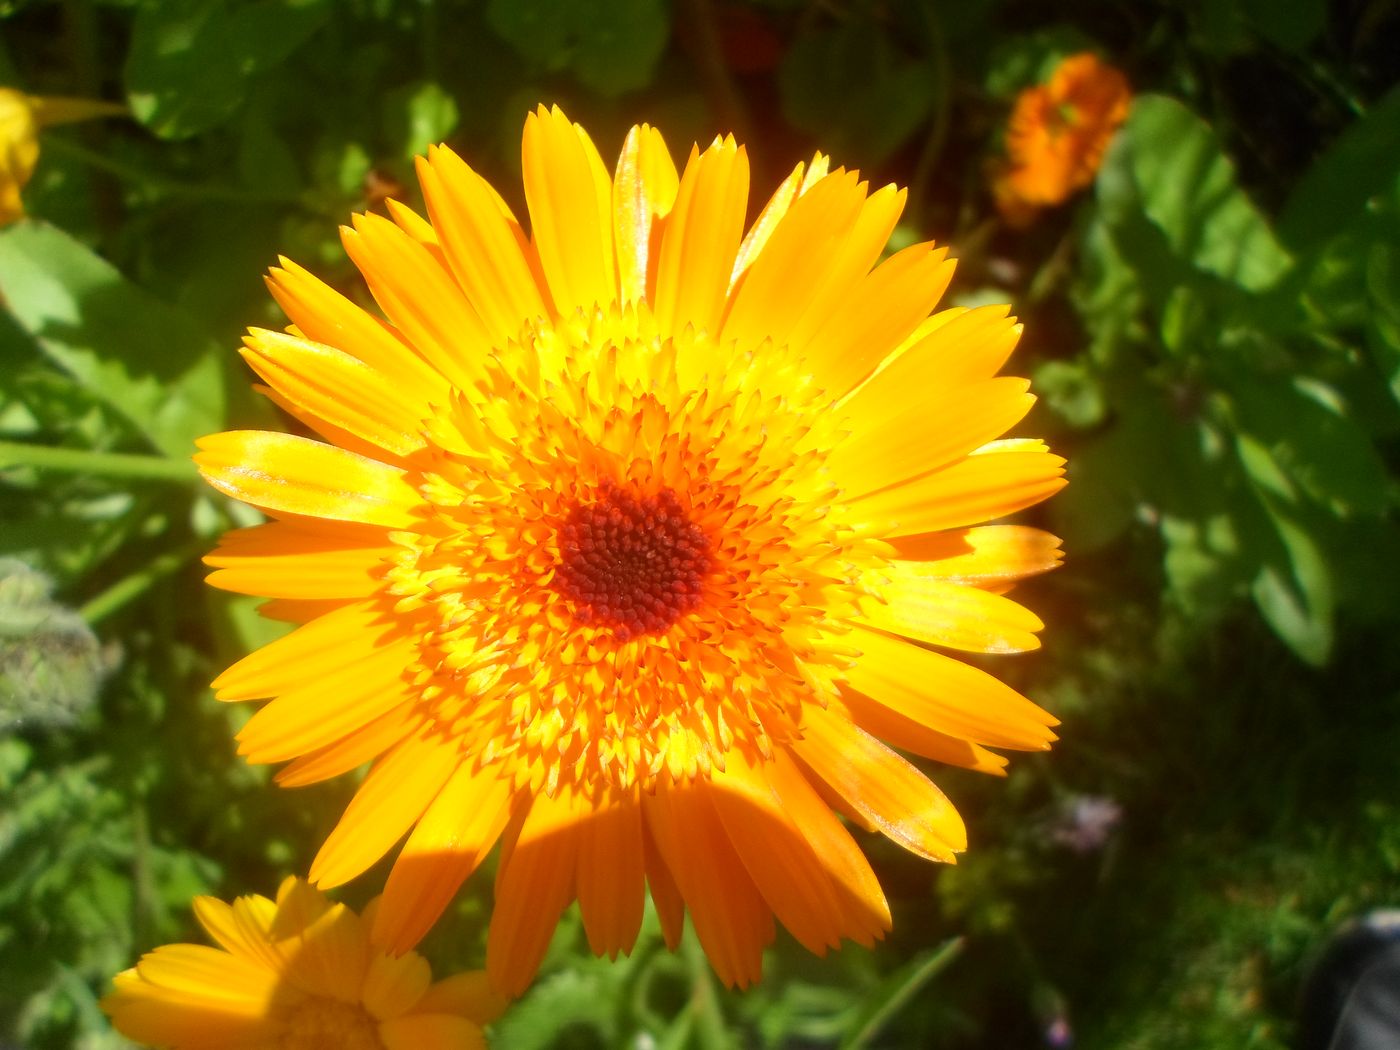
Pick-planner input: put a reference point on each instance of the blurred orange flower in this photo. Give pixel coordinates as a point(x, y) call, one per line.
point(21, 117)
point(1057, 135)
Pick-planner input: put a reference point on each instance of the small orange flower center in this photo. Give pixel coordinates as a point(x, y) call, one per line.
point(633, 564)
point(320, 1023)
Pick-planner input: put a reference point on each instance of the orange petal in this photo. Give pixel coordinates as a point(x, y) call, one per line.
point(534, 885)
point(902, 803)
point(907, 735)
point(782, 863)
point(452, 838)
point(392, 798)
point(792, 271)
point(611, 881)
point(351, 751)
point(420, 297)
point(731, 919)
point(335, 388)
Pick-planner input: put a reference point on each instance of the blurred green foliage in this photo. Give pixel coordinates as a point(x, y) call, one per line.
point(1214, 330)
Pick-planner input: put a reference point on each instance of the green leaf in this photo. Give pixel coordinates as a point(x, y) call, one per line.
point(1293, 590)
point(1296, 440)
point(1188, 191)
point(418, 116)
point(1362, 162)
point(611, 46)
point(146, 359)
point(1291, 25)
point(1383, 289)
point(852, 86)
point(1072, 391)
point(191, 61)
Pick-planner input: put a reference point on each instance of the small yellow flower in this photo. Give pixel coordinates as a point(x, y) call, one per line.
point(630, 540)
point(298, 974)
point(21, 117)
point(1057, 135)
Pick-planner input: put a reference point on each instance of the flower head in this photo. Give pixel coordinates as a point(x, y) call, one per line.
point(298, 974)
point(21, 117)
point(627, 544)
point(1057, 135)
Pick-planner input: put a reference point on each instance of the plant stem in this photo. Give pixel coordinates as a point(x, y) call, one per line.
point(131, 173)
point(101, 464)
point(133, 586)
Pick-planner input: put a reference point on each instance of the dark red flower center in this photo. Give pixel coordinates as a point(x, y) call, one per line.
point(633, 564)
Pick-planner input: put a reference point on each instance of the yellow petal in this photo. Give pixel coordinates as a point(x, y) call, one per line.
point(569, 195)
point(308, 653)
point(902, 803)
point(395, 985)
point(985, 556)
point(857, 889)
point(420, 297)
point(907, 436)
point(701, 238)
point(284, 559)
point(350, 751)
point(969, 491)
point(644, 190)
point(281, 472)
point(912, 601)
point(792, 271)
point(945, 694)
point(321, 711)
point(323, 315)
point(879, 313)
point(431, 1032)
point(904, 733)
point(483, 243)
point(330, 957)
point(468, 995)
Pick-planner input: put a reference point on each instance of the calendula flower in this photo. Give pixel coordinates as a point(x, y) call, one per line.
point(1057, 135)
point(298, 974)
point(627, 545)
point(21, 117)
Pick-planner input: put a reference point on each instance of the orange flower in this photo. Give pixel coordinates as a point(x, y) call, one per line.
point(632, 538)
point(1057, 135)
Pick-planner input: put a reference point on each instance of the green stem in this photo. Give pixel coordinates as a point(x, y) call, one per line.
point(102, 464)
point(132, 173)
point(704, 1001)
point(131, 587)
